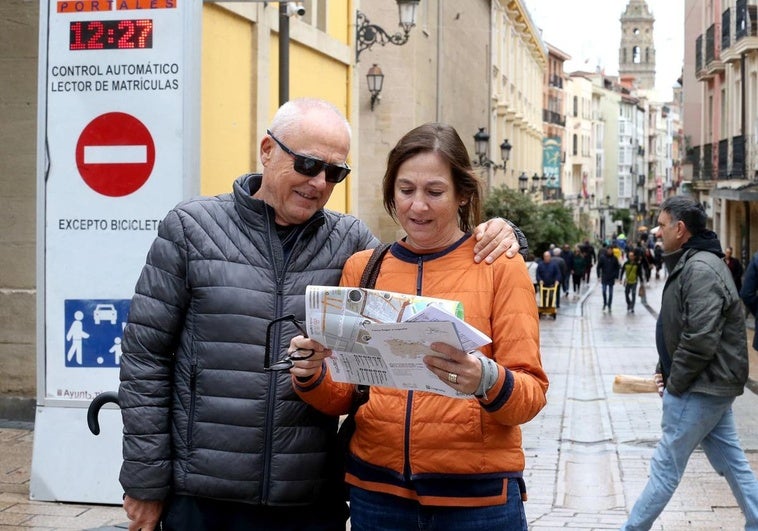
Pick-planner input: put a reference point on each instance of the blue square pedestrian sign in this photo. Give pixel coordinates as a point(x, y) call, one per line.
point(93, 331)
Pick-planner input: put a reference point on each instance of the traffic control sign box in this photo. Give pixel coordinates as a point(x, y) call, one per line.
point(118, 138)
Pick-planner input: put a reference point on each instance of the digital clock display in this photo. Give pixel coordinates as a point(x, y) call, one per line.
point(111, 35)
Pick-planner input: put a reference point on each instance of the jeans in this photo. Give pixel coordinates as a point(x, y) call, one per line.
point(376, 511)
point(630, 293)
point(688, 421)
point(608, 293)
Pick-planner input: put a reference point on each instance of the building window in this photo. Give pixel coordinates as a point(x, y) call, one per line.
point(636, 55)
point(575, 145)
point(576, 108)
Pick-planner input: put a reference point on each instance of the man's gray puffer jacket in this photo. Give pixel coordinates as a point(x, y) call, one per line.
point(201, 417)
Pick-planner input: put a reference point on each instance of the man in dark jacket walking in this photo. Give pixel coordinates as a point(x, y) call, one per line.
point(702, 354)
point(212, 440)
point(608, 272)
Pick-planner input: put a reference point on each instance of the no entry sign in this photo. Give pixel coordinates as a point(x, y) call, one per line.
point(115, 154)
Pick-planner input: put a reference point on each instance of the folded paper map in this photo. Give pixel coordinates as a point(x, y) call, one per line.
point(381, 337)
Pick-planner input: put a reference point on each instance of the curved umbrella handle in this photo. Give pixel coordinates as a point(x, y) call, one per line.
point(94, 409)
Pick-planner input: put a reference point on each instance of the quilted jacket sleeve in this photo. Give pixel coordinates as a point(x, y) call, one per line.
point(156, 318)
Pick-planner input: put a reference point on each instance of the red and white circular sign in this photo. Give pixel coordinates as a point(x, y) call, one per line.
point(115, 154)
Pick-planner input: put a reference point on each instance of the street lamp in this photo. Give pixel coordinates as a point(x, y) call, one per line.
point(535, 182)
point(367, 34)
point(481, 146)
point(505, 152)
point(481, 149)
point(375, 79)
point(523, 182)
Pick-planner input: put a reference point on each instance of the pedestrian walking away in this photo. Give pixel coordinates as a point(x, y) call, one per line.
point(630, 273)
point(568, 258)
point(581, 265)
point(703, 365)
point(608, 272)
point(589, 252)
point(735, 267)
point(212, 440)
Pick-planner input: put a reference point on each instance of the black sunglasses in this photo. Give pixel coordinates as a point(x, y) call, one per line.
point(287, 362)
point(311, 167)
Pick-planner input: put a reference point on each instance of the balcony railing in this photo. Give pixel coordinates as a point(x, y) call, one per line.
point(745, 20)
point(723, 158)
point(699, 53)
point(710, 45)
point(694, 158)
point(707, 162)
point(725, 28)
point(553, 117)
point(738, 157)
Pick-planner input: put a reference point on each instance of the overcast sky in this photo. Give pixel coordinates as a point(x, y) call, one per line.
point(590, 32)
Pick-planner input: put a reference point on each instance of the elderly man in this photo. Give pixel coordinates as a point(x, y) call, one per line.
point(549, 274)
point(212, 440)
point(702, 354)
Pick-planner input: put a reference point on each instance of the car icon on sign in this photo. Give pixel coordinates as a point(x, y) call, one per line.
point(105, 312)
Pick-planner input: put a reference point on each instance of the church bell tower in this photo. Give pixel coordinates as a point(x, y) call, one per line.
point(637, 50)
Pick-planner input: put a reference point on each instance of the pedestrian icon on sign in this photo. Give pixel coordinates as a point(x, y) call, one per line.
point(76, 334)
point(116, 350)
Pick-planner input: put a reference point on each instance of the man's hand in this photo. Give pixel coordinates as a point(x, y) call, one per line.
point(494, 237)
point(306, 368)
point(658, 379)
point(142, 514)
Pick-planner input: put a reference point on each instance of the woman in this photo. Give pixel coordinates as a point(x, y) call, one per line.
point(418, 458)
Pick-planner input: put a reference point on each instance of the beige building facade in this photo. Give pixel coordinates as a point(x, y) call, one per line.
point(722, 133)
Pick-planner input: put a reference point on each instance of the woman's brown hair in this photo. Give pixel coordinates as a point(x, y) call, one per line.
point(444, 140)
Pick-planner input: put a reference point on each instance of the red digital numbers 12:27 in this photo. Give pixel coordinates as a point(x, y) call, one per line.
point(111, 34)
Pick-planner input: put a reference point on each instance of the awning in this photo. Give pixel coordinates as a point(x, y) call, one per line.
point(736, 190)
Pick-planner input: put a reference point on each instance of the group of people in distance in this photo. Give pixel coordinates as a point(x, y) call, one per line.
point(563, 267)
point(212, 440)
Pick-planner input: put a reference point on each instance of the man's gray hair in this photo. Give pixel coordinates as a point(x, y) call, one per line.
point(287, 117)
point(685, 208)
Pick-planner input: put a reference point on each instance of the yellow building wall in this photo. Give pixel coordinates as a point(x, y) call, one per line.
point(230, 129)
point(227, 126)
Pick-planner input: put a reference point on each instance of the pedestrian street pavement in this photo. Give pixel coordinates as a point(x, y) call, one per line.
point(588, 451)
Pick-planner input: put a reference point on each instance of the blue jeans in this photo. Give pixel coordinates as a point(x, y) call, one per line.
point(688, 421)
point(608, 293)
point(630, 293)
point(375, 511)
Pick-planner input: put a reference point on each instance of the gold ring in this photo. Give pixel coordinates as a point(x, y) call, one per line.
point(452, 377)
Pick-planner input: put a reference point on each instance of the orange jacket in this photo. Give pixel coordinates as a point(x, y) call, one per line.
point(427, 447)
